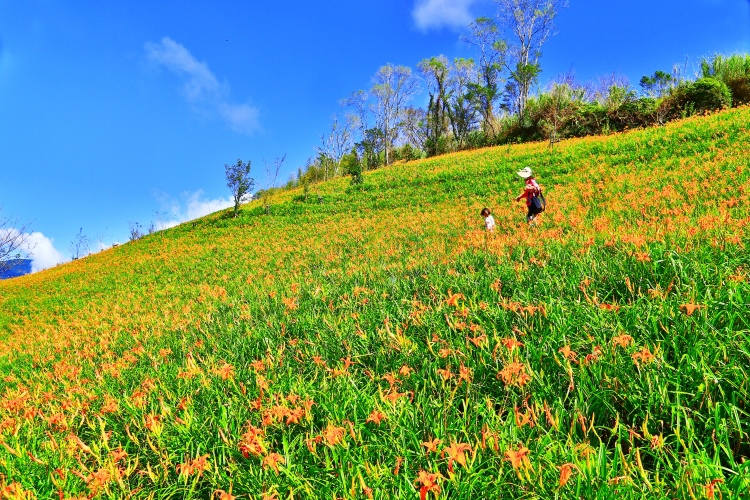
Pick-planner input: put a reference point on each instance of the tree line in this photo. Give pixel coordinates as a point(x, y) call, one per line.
point(493, 99)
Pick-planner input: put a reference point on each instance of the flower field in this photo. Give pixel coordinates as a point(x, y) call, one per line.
point(375, 342)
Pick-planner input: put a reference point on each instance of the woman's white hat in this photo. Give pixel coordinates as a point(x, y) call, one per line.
point(525, 172)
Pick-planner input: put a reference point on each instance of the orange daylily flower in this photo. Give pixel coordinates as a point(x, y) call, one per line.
point(225, 371)
point(596, 352)
point(456, 451)
point(222, 495)
point(689, 309)
point(391, 379)
point(465, 373)
point(566, 470)
point(152, 423)
point(333, 435)
point(510, 343)
point(99, 478)
point(431, 445)
point(445, 373)
point(453, 299)
point(399, 461)
point(710, 487)
point(405, 371)
point(376, 417)
point(623, 340)
point(393, 396)
point(514, 374)
point(118, 454)
point(184, 469)
point(609, 307)
point(273, 460)
point(524, 418)
point(643, 356)
point(568, 353)
point(252, 443)
point(477, 341)
point(519, 457)
point(429, 483)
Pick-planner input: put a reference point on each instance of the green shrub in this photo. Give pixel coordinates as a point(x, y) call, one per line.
point(477, 139)
point(407, 152)
point(740, 88)
point(634, 113)
point(705, 94)
point(733, 70)
point(590, 119)
point(437, 146)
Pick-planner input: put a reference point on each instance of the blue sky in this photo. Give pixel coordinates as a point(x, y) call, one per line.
point(126, 110)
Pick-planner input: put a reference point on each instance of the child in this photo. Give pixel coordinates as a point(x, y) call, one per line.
point(531, 191)
point(489, 221)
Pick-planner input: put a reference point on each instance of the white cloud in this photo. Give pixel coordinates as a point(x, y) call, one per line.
point(429, 14)
point(175, 57)
point(38, 247)
point(201, 87)
point(43, 252)
point(189, 206)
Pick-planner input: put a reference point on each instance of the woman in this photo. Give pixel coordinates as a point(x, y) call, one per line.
point(531, 191)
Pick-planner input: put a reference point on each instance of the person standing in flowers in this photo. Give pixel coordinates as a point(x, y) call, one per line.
point(489, 221)
point(532, 192)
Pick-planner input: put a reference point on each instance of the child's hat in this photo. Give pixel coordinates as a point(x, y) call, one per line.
point(525, 172)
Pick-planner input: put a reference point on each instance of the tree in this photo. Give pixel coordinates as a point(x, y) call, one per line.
point(415, 127)
point(733, 70)
point(358, 101)
point(337, 143)
point(353, 167)
point(531, 22)
point(393, 87)
point(436, 71)
point(14, 236)
point(486, 37)
point(657, 84)
point(461, 109)
point(370, 148)
point(558, 105)
point(80, 246)
point(239, 182)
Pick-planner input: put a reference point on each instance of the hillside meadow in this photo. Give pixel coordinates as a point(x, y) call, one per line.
point(375, 342)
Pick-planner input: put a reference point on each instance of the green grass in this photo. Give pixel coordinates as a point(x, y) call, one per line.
point(311, 353)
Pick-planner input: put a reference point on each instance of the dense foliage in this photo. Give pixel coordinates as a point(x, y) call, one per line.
point(375, 342)
point(463, 112)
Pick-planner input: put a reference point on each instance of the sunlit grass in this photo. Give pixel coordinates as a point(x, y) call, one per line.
point(376, 342)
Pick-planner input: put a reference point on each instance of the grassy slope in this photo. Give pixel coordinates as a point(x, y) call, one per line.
point(575, 339)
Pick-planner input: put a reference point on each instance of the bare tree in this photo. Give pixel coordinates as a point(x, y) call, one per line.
point(531, 22)
point(272, 174)
point(338, 142)
point(135, 230)
point(80, 246)
point(436, 71)
point(415, 127)
point(358, 101)
point(486, 37)
point(461, 108)
point(393, 87)
point(14, 236)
